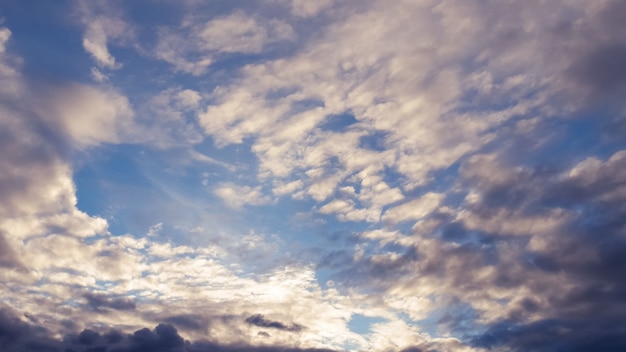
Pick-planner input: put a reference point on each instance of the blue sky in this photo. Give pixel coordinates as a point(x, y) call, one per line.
point(298, 175)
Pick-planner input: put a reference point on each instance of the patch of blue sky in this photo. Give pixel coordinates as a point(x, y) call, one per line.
point(49, 44)
point(166, 13)
point(376, 141)
point(112, 166)
point(580, 138)
point(338, 123)
point(361, 324)
point(129, 186)
point(238, 155)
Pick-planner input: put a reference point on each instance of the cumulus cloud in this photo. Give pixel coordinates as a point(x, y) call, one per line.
point(90, 116)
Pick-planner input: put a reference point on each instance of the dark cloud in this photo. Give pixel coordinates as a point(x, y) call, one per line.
point(571, 273)
point(588, 251)
point(188, 321)
point(113, 337)
point(412, 349)
point(88, 337)
point(17, 336)
point(259, 320)
point(603, 69)
point(556, 336)
point(96, 301)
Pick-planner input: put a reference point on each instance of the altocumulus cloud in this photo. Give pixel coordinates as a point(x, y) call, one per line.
point(286, 175)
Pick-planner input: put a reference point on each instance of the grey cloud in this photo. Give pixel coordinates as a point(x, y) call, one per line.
point(88, 337)
point(188, 321)
point(17, 336)
point(260, 321)
point(569, 275)
point(556, 336)
point(588, 251)
point(602, 70)
point(8, 258)
point(96, 301)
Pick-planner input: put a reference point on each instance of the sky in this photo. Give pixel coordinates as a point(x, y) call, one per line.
point(312, 175)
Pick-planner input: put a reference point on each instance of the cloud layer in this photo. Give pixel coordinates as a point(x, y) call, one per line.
point(285, 175)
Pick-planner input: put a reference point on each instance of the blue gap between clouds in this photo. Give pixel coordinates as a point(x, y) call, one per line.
point(374, 141)
point(361, 324)
point(96, 181)
point(49, 45)
point(338, 123)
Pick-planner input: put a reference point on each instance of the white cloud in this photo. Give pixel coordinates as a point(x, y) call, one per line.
point(415, 209)
point(95, 43)
point(90, 116)
point(406, 95)
point(236, 196)
point(8, 70)
point(188, 98)
point(240, 33)
point(237, 32)
point(98, 76)
point(281, 189)
point(102, 23)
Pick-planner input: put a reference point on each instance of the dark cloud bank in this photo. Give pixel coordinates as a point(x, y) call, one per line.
point(18, 336)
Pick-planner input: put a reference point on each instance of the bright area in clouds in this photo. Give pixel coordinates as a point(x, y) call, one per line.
point(287, 175)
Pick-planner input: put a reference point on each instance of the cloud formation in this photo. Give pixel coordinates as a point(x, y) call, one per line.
point(438, 175)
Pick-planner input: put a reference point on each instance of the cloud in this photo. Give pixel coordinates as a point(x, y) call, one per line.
point(16, 335)
point(234, 33)
point(8, 257)
point(89, 116)
point(102, 24)
point(473, 258)
point(236, 196)
point(97, 301)
point(454, 130)
point(95, 43)
point(8, 70)
point(555, 335)
point(260, 321)
point(240, 33)
point(415, 209)
point(302, 8)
